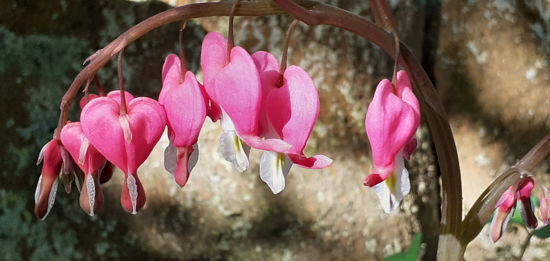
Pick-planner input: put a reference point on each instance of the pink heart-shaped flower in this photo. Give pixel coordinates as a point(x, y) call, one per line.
point(186, 106)
point(125, 140)
point(292, 110)
point(89, 160)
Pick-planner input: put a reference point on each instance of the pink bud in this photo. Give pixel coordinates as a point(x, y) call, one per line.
point(47, 184)
point(186, 108)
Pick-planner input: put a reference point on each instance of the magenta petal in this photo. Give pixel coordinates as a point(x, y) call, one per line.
point(100, 124)
point(293, 108)
point(544, 204)
point(147, 122)
point(314, 162)
point(238, 92)
point(185, 109)
point(72, 138)
point(115, 95)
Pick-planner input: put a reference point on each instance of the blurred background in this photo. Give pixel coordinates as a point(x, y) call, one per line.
point(488, 58)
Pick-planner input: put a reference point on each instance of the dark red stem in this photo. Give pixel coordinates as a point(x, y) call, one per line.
point(98, 85)
point(230, 38)
point(284, 59)
point(183, 62)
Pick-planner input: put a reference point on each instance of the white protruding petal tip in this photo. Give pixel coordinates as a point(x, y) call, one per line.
point(51, 198)
point(37, 191)
point(232, 150)
point(170, 158)
point(273, 171)
point(90, 186)
point(132, 190)
point(41, 154)
point(194, 158)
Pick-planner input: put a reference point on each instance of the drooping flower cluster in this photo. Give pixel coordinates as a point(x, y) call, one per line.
point(391, 121)
point(257, 107)
point(506, 206)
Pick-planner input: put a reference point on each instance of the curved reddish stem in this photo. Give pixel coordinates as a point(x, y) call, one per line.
point(285, 52)
point(183, 62)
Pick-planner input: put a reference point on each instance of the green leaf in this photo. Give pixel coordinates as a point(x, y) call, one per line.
point(542, 233)
point(410, 255)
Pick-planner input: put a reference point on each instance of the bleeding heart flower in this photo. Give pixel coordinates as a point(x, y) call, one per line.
point(289, 112)
point(186, 107)
point(506, 205)
point(89, 160)
point(392, 119)
point(234, 84)
point(55, 157)
point(125, 140)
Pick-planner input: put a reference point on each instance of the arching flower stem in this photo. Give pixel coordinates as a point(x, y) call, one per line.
point(183, 62)
point(285, 53)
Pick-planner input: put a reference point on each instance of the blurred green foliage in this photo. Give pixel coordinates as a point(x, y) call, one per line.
point(35, 71)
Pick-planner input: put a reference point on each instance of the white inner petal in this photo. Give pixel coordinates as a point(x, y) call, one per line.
point(41, 154)
point(274, 168)
point(51, 198)
point(132, 189)
point(193, 158)
point(37, 191)
point(170, 158)
point(392, 191)
point(90, 186)
point(234, 150)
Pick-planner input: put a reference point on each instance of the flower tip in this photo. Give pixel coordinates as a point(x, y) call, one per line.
point(372, 180)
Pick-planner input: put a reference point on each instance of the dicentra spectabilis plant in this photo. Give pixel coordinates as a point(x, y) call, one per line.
point(264, 105)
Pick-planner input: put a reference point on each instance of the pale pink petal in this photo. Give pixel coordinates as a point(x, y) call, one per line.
point(268, 68)
point(213, 60)
point(238, 92)
point(171, 73)
point(185, 109)
point(293, 108)
point(266, 144)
